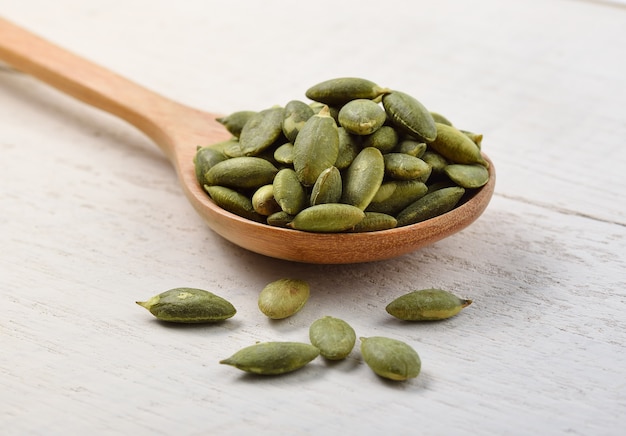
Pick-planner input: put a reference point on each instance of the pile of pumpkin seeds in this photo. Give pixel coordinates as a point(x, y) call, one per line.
point(358, 157)
point(330, 337)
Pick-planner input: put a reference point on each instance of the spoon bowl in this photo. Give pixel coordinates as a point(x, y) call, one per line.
point(178, 129)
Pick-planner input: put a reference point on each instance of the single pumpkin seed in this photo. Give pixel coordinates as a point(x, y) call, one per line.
point(375, 221)
point(233, 149)
point(437, 162)
point(272, 358)
point(327, 188)
point(409, 115)
point(363, 178)
point(241, 172)
point(411, 147)
point(394, 196)
point(261, 130)
point(204, 159)
point(362, 117)
point(349, 147)
point(334, 337)
point(283, 298)
point(327, 218)
point(296, 113)
point(390, 358)
point(341, 90)
point(401, 166)
point(234, 122)
point(426, 305)
point(468, 176)
point(455, 146)
point(189, 305)
point(284, 154)
point(279, 219)
point(430, 205)
point(316, 147)
point(263, 201)
point(234, 202)
point(385, 139)
point(288, 191)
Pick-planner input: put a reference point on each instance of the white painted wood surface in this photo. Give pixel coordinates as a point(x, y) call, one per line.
point(92, 219)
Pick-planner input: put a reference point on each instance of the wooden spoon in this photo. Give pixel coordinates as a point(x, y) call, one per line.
point(178, 129)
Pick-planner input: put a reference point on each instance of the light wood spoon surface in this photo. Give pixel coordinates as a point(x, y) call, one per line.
point(177, 129)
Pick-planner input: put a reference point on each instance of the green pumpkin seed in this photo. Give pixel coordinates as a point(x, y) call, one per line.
point(316, 147)
point(334, 337)
point(295, 115)
point(288, 191)
point(327, 188)
point(437, 162)
point(204, 159)
point(375, 221)
point(234, 202)
point(189, 305)
point(411, 147)
point(394, 196)
point(349, 147)
point(234, 122)
point(385, 139)
point(339, 91)
point(390, 358)
point(327, 218)
point(241, 172)
point(284, 154)
point(233, 149)
point(261, 130)
point(410, 115)
point(455, 146)
point(263, 201)
point(273, 358)
point(363, 178)
point(283, 298)
point(426, 305)
point(362, 117)
point(279, 219)
point(468, 176)
point(400, 166)
point(431, 205)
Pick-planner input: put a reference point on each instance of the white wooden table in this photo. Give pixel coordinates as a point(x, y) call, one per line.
point(92, 219)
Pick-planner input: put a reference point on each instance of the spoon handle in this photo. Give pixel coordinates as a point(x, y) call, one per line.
point(163, 120)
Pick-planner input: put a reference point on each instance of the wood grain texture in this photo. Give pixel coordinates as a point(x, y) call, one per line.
point(93, 218)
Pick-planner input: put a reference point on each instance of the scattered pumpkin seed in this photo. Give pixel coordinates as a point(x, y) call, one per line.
point(375, 221)
point(272, 358)
point(204, 159)
point(334, 337)
point(401, 166)
point(284, 154)
point(426, 305)
point(279, 219)
point(390, 358)
point(263, 201)
point(283, 298)
point(189, 305)
point(394, 196)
